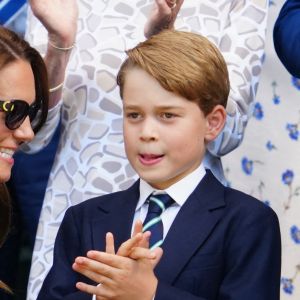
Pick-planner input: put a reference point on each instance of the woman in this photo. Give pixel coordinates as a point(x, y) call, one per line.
point(23, 108)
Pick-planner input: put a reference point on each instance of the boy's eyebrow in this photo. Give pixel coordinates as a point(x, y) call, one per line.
point(131, 106)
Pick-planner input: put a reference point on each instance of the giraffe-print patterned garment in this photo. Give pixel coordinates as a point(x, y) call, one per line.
point(90, 159)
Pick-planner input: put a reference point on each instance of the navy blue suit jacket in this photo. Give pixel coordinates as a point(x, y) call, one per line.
point(223, 244)
point(287, 36)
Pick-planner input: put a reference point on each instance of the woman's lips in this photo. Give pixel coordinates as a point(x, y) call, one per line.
point(6, 154)
point(150, 159)
point(8, 160)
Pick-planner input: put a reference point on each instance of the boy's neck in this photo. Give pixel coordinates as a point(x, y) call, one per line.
point(181, 189)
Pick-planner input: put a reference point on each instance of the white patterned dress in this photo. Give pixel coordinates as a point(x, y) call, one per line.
point(267, 165)
point(90, 160)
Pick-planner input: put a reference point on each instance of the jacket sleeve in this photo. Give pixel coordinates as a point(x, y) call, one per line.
point(287, 36)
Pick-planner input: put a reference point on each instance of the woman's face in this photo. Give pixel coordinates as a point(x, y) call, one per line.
point(16, 82)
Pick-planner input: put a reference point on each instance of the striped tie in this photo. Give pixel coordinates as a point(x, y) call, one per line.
point(153, 223)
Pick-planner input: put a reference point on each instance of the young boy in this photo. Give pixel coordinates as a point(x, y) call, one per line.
point(218, 243)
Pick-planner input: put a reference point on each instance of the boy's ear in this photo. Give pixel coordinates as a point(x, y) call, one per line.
point(215, 122)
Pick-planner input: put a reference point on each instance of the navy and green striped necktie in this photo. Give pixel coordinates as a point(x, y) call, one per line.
point(153, 222)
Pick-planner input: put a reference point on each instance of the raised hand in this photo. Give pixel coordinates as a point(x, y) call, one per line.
point(162, 16)
point(59, 18)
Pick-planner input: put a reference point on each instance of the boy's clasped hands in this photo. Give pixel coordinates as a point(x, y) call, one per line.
point(125, 274)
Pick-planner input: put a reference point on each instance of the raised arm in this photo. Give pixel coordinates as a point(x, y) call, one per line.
point(59, 17)
point(242, 43)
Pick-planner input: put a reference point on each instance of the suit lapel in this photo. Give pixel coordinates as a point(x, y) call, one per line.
point(116, 216)
point(194, 222)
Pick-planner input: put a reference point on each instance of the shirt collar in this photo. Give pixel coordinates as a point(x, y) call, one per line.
point(179, 191)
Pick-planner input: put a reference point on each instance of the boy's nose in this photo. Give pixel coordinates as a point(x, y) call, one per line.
point(24, 133)
point(149, 131)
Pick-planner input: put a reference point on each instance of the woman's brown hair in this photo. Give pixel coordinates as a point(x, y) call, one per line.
point(12, 48)
point(5, 214)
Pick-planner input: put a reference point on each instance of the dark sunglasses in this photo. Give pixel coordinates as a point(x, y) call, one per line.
point(16, 112)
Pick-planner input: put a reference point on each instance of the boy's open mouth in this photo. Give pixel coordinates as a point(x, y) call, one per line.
point(150, 156)
point(150, 159)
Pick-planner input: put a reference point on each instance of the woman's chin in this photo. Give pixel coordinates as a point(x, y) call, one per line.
point(4, 177)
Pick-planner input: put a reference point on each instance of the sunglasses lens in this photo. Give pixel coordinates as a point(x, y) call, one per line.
point(33, 110)
point(17, 115)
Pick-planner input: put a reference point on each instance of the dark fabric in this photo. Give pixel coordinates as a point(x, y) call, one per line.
point(222, 245)
point(9, 256)
point(27, 189)
point(287, 36)
point(29, 181)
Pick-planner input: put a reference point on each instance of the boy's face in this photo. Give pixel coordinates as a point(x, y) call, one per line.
point(164, 133)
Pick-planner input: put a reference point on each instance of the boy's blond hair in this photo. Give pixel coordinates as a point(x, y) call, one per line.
point(184, 63)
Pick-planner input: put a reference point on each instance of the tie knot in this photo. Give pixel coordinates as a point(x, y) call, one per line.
point(159, 203)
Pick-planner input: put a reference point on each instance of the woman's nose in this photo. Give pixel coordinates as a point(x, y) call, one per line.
point(24, 133)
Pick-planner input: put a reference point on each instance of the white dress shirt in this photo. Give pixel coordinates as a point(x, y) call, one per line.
point(179, 192)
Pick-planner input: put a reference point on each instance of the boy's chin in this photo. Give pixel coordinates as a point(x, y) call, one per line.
point(158, 183)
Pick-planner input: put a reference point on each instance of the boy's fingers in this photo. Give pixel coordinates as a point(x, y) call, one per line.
point(90, 274)
point(90, 289)
point(141, 253)
point(111, 261)
point(158, 253)
point(110, 243)
point(144, 243)
point(138, 227)
point(98, 290)
point(85, 265)
point(126, 247)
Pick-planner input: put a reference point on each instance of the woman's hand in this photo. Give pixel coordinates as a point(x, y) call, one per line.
point(162, 16)
point(59, 17)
